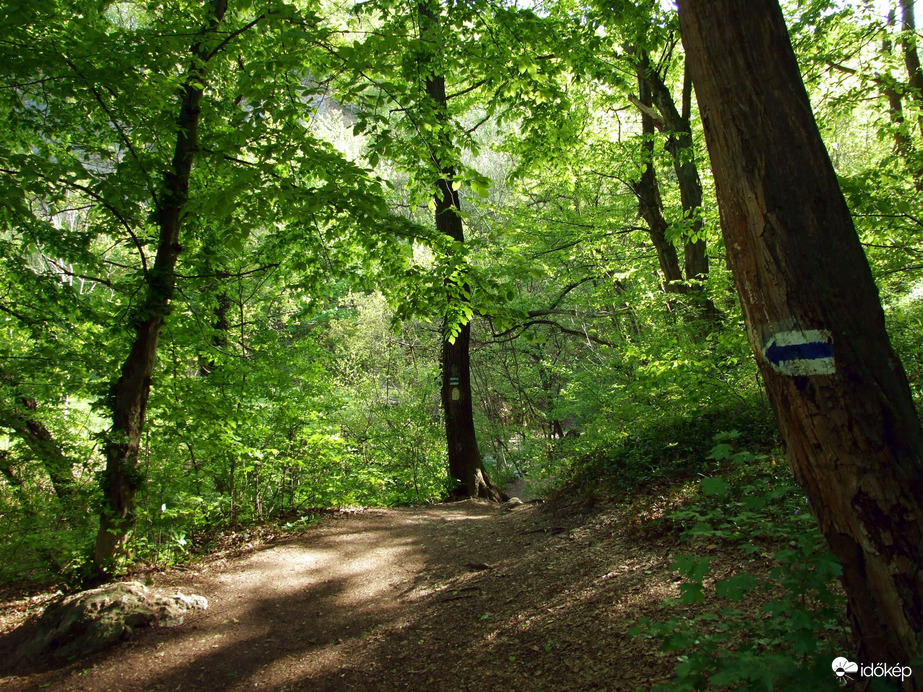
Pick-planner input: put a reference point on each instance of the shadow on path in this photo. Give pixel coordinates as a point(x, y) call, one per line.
point(451, 597)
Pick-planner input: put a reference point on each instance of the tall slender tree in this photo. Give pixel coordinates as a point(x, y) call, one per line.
point(658, 107)
point(131, 390)
point(814, 318)
point(674, 122)
point(903, 143)
point(466, 467)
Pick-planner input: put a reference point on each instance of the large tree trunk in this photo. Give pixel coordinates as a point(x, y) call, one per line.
point(466, 468)
point(650, 203)
point(814, 317)
point(129, 398)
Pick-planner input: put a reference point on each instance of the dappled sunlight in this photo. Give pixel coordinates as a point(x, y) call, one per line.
point(277, 278)
point(542, 597)
point(405, 598)
point(481, 518)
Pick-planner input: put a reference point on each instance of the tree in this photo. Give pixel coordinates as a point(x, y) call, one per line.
point(908, 41)
point(131, 390)
point(903, 143)
point(465, 463)
point(814, 318)
point(675, 124)
point(166, 123)
point(635, 32)
point(437, 72)
point(650, 205)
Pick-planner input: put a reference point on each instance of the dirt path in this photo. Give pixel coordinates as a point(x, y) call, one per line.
point(462, 596)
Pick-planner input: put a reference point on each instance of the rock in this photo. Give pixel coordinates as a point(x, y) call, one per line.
point(511, 504)
point(92, 620)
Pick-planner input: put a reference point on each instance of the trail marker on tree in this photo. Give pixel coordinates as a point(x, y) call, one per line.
point(853, 437)
point(801, 352)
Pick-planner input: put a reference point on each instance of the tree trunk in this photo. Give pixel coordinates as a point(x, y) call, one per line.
point(814, 318)
point(48, 451)
point(908, 40)
point(466, 467)
point(676, 126)
point(129, 397)
point(903, 145)
point(650, 204)
point(679, 144)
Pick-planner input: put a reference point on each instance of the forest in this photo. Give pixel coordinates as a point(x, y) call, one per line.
point(261, 260)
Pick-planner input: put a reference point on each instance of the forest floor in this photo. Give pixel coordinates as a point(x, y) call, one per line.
point(458, 596)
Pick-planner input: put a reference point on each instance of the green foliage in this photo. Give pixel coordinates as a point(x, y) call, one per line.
point(276, 219)
point(389, 409)
point(758, 508)
point(298, 365)
point(905, 324)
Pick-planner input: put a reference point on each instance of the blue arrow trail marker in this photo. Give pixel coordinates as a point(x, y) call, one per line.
point(801, 352)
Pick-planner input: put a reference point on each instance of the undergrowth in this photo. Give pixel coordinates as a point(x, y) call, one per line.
point(669, 446)
point(731, 642)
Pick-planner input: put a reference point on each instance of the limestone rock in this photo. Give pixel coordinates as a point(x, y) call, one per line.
point(92, 620)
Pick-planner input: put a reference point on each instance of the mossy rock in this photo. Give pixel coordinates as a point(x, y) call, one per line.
point(90, 621)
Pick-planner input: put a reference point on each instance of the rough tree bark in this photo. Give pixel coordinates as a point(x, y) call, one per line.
point(465, 463)
point(130, 392)
point(814, 318)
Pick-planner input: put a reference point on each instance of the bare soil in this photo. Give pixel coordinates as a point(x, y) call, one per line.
point(461, 596)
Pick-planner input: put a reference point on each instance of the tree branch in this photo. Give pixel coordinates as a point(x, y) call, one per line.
point(520, 328)
point(67, 272)
point(234, 34)
point(467, 90)
point(228, 275)
point(568, 289)
point(649, 112)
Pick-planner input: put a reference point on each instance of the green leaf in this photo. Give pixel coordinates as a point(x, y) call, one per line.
point(716, 487)
point(736, 587)
point(480, 188)
point(721, 451)
point(691, 592)
point(692, 567)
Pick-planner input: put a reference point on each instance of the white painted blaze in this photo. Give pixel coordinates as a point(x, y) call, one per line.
point(800, 352)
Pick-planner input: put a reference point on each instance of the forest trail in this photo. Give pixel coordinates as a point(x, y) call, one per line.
point(459, 596)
